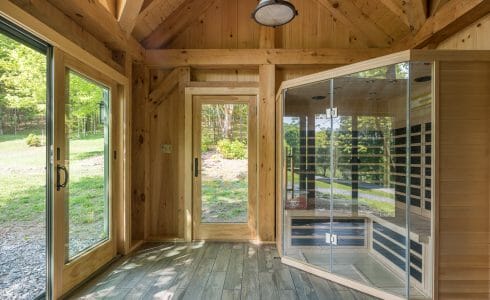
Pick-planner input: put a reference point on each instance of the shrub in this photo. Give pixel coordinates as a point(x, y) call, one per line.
point(206, 143)
point(232, 149)
point(33, 140)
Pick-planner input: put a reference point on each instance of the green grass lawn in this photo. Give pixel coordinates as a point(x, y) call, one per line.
point(22, 178)
point(379, 206)
point(224, 201)
point(23, 192)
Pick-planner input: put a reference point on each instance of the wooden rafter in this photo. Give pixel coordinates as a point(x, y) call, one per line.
point(127, 13)
point(435, 5)
point(109, 5)
point(358, 22)
point(153, 15)
point(186, 14)
point(416, 11)
point(92, 16)
point(171, 58)
point(396, 9)
point(146, 3)
point(451, 18)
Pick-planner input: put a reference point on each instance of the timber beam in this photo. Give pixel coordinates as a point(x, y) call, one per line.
point(93, 17)
point(172, 58)
point(449, 19)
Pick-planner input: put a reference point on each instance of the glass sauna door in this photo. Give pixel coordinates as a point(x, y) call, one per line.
point(307, 194)
point(369, 225)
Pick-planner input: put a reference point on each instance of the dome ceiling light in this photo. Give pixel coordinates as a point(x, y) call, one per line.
point(274, 13)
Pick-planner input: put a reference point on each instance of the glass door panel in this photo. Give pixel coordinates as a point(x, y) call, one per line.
point(370, 169)
point(307, 189)
point(24, 141)
point(224, 163)
point(87, 152)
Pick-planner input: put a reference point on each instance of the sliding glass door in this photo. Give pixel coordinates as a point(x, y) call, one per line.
point(84, 156)
point(24, 144)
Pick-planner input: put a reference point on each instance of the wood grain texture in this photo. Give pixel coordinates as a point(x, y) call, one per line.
point(320, 24)
point(185, 271)
point(127, 13)
point(473, 37)
point(448, 20)
point(266, 154)
point(94, 18)
point(139, 143)
point(166, 216)
point(463, 252)
point(151, 15)
point(182, 17)
point(230, 58)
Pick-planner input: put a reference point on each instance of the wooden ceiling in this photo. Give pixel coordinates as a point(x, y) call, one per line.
point(226, 24)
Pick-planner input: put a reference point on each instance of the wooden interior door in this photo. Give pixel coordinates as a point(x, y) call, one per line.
point(224, 167)
point(84, 164)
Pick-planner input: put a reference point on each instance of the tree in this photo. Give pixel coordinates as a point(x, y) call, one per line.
point(22, 83)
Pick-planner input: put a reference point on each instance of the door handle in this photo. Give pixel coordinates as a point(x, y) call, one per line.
point(58, 177)
point(196, 167)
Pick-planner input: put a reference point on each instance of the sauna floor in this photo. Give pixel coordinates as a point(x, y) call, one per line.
point(203, 270)
point(360, 266)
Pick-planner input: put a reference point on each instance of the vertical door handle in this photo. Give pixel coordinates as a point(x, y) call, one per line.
point(196, 167)
point(60, 185)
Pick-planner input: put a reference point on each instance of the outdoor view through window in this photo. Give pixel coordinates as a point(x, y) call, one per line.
point(22, 170)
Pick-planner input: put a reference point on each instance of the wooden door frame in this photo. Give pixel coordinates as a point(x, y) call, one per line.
point(190, 92)
point(226, 231)
point(68, 275)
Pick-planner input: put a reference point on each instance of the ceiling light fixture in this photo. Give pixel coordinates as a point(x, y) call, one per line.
point(274, 13)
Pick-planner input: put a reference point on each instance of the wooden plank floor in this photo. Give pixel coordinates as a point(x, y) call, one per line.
point(209, 271)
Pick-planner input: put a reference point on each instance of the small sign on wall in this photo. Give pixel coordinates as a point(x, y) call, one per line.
point(166, 148)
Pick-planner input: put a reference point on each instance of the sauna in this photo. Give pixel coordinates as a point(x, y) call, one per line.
point(360, 166)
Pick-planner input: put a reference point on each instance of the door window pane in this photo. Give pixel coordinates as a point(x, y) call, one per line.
point(87, 136)
point(22, 170)
point(224, 157)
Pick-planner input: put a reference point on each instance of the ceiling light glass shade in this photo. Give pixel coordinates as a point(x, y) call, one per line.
point(274, 12)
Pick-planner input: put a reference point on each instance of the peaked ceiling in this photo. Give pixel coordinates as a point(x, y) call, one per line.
point(156, 24)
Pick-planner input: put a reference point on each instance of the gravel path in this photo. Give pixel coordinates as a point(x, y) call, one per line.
point(22, 260)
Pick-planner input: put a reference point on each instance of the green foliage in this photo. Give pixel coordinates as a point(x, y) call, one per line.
point(85, 99)
point(33, 140)
point(232, 149)
point(23, 93)
point(207, 143)
point(22, 85)
point(225, 201)
point(223, 121)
